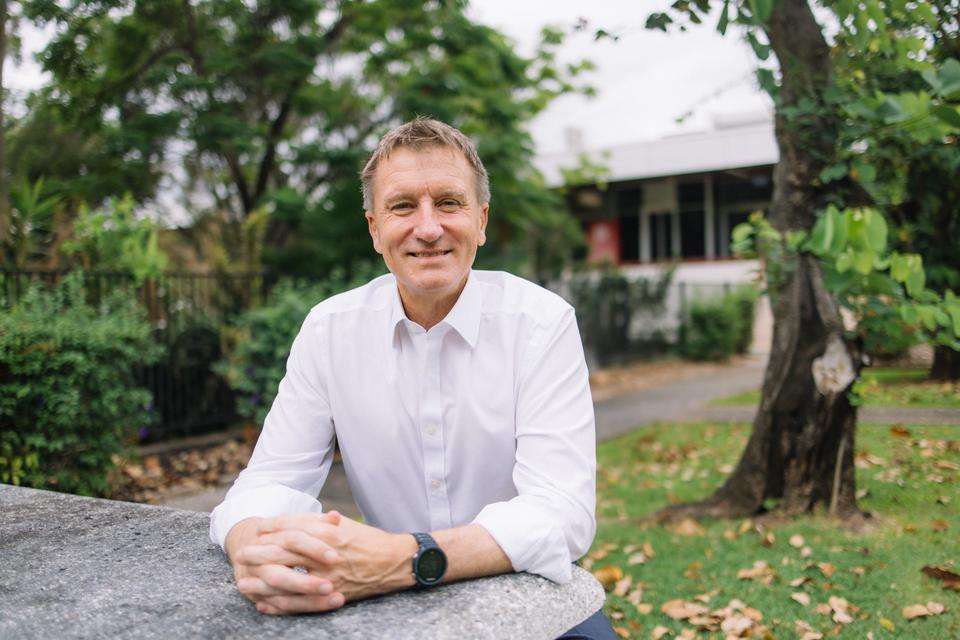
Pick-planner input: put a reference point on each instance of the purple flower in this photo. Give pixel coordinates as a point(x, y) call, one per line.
point(143, 433)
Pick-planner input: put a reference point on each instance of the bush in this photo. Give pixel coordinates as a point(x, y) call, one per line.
point(68, 405)
point(258, 342)
point(609, 307)
point(715, 329)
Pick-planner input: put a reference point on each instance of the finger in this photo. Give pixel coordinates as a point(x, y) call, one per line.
point(259, 554)
point(304, 521)
point(263, 607)
point(332, 517)
point(303, 544)
point(279, 580)
point(305, 604)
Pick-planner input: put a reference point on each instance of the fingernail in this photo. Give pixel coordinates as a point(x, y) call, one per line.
point(330, 556)
point(325, 588)
point(336, 600)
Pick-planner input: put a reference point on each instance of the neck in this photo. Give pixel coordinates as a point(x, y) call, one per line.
point(428, 309)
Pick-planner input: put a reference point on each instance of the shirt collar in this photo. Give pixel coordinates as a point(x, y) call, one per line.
point(464, 317)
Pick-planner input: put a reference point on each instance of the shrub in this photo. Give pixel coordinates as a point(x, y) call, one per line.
point(717, 328)
point(258, 342)
point(67, 402)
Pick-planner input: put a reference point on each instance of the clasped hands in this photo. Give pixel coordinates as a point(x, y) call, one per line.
point(345, 560)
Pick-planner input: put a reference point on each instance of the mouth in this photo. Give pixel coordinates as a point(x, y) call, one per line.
point(429, 254)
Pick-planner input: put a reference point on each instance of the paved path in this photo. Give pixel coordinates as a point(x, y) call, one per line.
point(882, 415)
point(616, 416)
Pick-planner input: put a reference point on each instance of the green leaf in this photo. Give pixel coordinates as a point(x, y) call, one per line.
point(833, 172)
point(844, 262)
point(915, 282)
point(761, 50)
point(822, 237)
point(949, 77)
point(876, 230)
point(954, 311)
point(947, 114)
point(863, 261)
point(761, 10)
point(724, 18)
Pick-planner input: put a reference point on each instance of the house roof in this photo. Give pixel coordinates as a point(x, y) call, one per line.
point(729, 145)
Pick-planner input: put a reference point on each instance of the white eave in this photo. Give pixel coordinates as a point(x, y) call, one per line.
point(733, 146)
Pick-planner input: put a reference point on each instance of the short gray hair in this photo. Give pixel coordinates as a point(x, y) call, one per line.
point(418, 134)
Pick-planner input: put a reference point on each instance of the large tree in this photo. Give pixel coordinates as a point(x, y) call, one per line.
point(274, 105)
point(801, 450)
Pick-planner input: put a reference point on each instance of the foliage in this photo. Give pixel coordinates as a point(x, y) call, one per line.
point(276, 105)
point(717, 328)
point(258, 342)
point(861, 270)
point(112, 238)
point(67, 404)
point(609, 307)
point(28, 230)
point(905, 476)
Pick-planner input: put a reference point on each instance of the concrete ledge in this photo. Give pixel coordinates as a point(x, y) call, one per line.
point(82, 567)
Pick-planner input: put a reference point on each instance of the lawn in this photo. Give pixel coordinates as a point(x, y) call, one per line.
point(883, 388)
point(909, 480)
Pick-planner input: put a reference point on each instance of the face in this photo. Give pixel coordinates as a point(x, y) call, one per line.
point(427, 221)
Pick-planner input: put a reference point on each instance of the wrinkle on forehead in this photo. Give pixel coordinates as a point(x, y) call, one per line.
point(434, 171)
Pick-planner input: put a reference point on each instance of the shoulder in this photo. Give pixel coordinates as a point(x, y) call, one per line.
point(373, 296)
point(508, 295)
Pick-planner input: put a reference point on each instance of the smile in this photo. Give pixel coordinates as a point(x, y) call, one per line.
point(429, 254)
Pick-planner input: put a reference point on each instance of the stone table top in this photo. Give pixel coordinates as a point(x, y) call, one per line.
point(74, 567)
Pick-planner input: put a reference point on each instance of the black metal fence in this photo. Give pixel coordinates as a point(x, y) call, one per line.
point(187, 311)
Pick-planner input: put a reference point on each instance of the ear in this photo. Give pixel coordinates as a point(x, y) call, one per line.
point(484, 211)
point(374, 231)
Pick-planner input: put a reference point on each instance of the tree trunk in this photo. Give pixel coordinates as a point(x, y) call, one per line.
point(800, 453)
point(946, 364)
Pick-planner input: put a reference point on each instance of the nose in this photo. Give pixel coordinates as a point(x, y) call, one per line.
point(427, 227)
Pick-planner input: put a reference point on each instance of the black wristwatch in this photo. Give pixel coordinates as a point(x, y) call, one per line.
point(430, 563)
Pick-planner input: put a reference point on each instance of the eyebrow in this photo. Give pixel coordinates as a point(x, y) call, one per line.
point(445, 193)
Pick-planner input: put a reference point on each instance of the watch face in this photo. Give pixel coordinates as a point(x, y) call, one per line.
point(431, 565)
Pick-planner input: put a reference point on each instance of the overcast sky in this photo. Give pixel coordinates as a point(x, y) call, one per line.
point(643, 81)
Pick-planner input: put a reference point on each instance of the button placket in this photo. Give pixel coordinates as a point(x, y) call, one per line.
point(432, 438)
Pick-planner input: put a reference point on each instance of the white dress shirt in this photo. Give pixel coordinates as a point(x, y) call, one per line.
point(486, 418)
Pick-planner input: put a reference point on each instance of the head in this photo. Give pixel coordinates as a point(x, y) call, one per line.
point(426, 196)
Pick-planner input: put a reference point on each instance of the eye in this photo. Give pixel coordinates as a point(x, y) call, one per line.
point(450, 203)
point(401, 207)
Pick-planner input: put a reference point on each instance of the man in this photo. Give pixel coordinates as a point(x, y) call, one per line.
point(459, 399)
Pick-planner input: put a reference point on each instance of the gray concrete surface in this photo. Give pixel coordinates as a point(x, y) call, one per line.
point(76, 567)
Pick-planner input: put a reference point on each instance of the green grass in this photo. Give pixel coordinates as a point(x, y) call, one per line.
point(877, 571)
point(882, 388)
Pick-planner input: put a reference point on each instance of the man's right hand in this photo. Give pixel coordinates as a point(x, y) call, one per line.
point(265, 570)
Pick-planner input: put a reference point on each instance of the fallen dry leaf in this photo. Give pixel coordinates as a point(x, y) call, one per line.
point(921, 610)
point(806, 552)
point(827, 569)
point(622, 632)
point(806, 632)
point(768, 539)
point(658, 632)
point(688, 527)
point(683, 609)
point(801, 597)
point(887, 624)
point(736, 625)
point(950, 579)
point(899, 432)
point(622, 586)
point(637, 558)
point(799, 581)
point(608, 576)
point(644, 608)
point(760, 571)
point(797, 541)
point(940, 525)
point(635, 596)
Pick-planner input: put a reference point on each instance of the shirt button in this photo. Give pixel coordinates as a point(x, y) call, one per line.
point(435, 484)
point(431, 429)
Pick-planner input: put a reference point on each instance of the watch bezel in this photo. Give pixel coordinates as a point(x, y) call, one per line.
point(421, 554)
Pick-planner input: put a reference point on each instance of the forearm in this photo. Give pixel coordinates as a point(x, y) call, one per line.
point(471, 553)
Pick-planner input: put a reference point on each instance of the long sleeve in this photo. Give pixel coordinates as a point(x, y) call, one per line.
point(551, 522)
point(295, 450)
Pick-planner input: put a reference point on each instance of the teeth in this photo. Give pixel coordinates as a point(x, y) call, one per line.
point(426, 254)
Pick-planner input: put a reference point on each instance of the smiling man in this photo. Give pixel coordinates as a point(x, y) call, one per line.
point(459, 399)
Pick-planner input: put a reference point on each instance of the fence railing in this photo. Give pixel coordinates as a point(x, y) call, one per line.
point(186, 311)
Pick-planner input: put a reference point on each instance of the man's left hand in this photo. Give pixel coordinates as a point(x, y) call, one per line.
point(371, 561)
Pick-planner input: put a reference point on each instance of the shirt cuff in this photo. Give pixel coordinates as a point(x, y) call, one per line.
point(264, 502)
point(530, 538)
